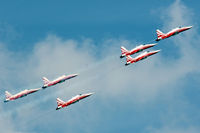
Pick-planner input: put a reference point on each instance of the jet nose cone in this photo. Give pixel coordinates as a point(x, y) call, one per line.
point(75, 75)
point(89, 94)
point(154, 44)
point(188, 27)
point(157, 51)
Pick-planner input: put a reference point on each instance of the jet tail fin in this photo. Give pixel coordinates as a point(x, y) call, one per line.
point(46, 81)
point(159, 33)
point(59, 102)
point(8, 95)
point(128, 59)
point(124, 51)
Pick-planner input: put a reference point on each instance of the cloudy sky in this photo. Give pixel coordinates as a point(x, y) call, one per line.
point(51, 38)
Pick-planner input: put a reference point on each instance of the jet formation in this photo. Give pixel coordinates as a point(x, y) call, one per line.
point(47, 83)
point(144, 55)
point(124, 53)
point(160, 36)
point(137, 49)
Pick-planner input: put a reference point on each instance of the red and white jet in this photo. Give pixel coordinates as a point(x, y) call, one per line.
point(142, 56)
point(62, 104)
point(175, 31)
point(137, 49)
point(10, 97)
point(61, 79)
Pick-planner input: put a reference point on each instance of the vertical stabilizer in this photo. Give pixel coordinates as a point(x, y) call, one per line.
point(59, 102)
point(124, 50)
point(159, 33)
point(46, 81)
point(128, 59)
point(8, 95)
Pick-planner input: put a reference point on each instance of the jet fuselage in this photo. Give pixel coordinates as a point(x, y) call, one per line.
point(74, 100)
point(59, 80)
point(172, 32)
point(21, 94)
point(140, 57)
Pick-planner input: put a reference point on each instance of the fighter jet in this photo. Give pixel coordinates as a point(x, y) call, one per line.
point(142, 56)
point(137, 49)
point(61, 79)
point(62, 104)
point(10, 97)
point(173, 32)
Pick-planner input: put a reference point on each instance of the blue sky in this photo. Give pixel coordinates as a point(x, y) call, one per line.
point(28, 22)
point(51, 38)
